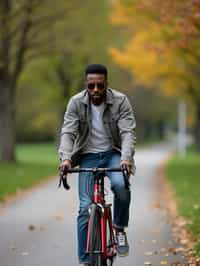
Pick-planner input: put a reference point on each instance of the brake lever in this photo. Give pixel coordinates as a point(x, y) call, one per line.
point(125, 173)
point(63, 178)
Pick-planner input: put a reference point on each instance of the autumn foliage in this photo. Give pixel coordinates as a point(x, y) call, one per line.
point(163, 50)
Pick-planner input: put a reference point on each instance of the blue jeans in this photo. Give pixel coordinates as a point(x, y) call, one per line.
point(121, 195)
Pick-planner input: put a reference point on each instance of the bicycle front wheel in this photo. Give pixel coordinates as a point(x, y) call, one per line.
point(110, 240)
point(95, 236)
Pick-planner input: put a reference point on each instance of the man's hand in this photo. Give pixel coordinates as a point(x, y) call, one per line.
point(67, 164)
point(128, 165)
point(63, 175)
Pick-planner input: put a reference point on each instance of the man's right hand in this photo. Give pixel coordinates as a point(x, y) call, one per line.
point(66, 164)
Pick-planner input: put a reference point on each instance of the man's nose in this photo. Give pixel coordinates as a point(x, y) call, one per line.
point(96, 87)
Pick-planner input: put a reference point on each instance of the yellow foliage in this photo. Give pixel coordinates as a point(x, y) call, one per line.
point(150, 64)
point(155, 55)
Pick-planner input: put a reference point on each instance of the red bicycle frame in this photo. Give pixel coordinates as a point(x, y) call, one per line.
point(99, 200)
point(106, 216)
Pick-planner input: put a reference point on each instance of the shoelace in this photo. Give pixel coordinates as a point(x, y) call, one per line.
point(121, 239)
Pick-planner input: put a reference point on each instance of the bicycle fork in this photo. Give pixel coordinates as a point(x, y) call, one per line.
point(106, 231)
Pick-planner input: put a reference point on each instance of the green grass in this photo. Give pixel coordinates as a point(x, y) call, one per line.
point(34, 163)
point(184, 175)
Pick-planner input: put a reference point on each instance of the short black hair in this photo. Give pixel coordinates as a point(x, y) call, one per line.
point(96, 69)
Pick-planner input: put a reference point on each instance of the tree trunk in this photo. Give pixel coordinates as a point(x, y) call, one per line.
point(197, 129)
point(7, 125)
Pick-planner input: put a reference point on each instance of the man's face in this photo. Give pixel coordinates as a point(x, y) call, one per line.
point(96, 86)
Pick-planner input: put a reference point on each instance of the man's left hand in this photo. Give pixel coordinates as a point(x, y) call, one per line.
point(128, 165)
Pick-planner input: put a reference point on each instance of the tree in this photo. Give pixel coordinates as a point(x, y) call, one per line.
point(52, 80)
point(28, 29)
point(163, 50)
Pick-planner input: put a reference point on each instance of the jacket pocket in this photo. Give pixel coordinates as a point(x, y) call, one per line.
point(113, 130)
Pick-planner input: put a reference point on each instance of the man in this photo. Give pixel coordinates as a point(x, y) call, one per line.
point(99, 131)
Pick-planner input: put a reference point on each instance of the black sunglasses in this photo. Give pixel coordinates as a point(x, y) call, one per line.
point(100, 85)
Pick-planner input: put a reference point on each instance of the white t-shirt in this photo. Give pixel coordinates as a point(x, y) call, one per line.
point(98, 140)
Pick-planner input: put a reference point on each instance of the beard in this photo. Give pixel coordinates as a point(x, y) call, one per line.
point(97, 98)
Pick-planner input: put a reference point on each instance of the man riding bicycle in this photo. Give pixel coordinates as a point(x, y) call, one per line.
point(99, 131)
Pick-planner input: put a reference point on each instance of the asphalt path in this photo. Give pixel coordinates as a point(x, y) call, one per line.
point(39, 228)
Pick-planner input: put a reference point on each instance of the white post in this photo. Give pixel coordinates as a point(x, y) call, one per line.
point(181, 128)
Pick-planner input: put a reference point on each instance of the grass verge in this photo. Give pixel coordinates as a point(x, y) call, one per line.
point(184, 176)
point(34, 163)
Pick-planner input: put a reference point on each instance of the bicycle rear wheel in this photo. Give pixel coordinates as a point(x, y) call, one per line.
point(95, 237)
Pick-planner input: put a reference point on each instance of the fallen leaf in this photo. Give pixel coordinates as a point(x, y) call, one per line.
point(31, 227)
point(156, 205)
point(172, 250)
point(59, 217)
point(181, 223)
point(197, 259)
point(147, 263)
point(184, 241)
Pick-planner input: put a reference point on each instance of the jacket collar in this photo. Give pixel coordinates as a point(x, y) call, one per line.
point(109, 97)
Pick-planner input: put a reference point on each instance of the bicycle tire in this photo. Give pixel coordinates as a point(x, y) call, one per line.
point(95, 237)
point(110, 245)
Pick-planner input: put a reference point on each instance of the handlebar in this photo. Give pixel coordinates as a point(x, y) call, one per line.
point(64, 171)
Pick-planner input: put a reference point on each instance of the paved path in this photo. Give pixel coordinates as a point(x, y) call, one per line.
point(39, 229)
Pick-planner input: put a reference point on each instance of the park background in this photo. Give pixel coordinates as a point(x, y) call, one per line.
point(151, 49)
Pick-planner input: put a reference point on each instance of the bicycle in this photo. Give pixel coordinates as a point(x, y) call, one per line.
point(100, 234)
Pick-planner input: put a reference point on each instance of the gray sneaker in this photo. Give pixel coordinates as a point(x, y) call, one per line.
point(122, 244)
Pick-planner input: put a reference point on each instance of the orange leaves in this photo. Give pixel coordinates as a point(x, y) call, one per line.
point(164, 43)
point(143, 56)
point(182, 16)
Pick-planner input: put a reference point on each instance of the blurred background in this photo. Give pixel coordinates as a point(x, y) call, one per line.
point(151, 53)
point(151, 49)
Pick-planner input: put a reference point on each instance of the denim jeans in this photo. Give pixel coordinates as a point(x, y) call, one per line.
point(121, 195)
